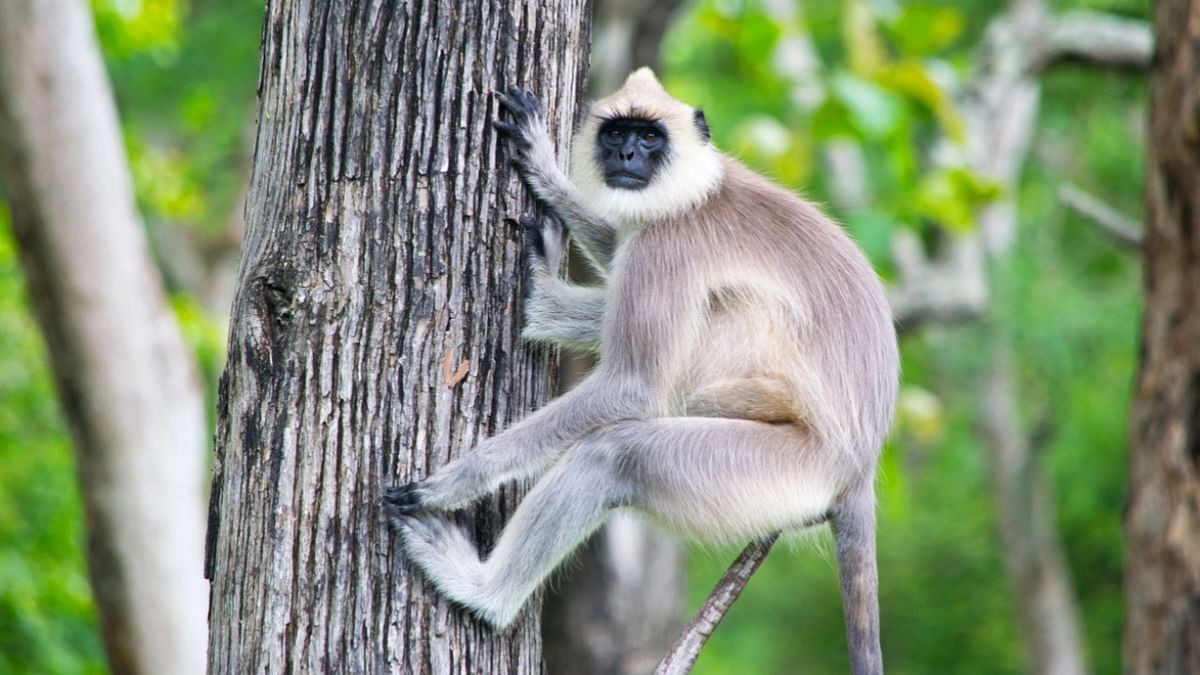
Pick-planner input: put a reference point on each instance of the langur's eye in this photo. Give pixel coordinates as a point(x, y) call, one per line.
point(614, 134)
point(650, 136)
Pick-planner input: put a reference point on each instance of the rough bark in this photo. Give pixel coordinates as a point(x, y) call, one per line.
point(375, 326)
point(1162, 521)
point(128, 387)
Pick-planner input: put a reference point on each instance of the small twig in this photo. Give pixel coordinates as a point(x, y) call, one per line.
point(1122, 229)
point(687, 648)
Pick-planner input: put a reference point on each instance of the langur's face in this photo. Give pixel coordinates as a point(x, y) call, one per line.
point(630, 151)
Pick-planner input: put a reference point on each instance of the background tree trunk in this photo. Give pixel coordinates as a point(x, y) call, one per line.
point(1162, 521)
point(620, 604)
point(129, 390)
point(375, 329)
point(1001, 113)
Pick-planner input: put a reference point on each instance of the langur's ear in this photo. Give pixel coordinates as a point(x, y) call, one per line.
point(701, 124)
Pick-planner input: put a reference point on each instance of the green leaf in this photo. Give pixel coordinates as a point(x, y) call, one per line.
point(925, 29)
point(911, 79)
point(875, 111)
point(951, 197)
point(873, 232)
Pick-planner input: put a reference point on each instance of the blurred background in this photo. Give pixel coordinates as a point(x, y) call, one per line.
point(997, 200)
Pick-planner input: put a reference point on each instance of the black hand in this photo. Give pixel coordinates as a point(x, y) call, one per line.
point(525, 109)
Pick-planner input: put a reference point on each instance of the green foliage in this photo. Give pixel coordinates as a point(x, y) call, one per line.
point(47, 619)
point(882, 85)
point(184, 76)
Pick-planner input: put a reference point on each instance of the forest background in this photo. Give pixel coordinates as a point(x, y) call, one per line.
point(855, 104)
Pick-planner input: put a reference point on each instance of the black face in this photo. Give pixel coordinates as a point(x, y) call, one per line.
point(631, 151)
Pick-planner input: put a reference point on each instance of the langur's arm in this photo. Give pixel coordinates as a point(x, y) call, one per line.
point(533, 153)
point(558, 312)
point(564, 314)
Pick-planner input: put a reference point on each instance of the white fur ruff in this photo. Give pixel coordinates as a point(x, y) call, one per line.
point(678, 186)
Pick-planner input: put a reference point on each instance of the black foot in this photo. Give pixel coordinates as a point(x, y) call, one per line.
point(402, 500)
point(534, 240)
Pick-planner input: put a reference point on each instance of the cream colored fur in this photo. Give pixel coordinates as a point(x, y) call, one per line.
point(678, 186)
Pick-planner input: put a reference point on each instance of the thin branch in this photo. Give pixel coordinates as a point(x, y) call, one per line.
point(1101, 39)
point(1119, 227)
point(683, 655)
point(947, 289)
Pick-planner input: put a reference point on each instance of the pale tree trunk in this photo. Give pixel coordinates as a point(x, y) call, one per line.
point(620, 603)
point(1162, 520)
point(627, 35)
point(375, 327)
point(1033, 554)
point(128, 387)
point(1001, 119)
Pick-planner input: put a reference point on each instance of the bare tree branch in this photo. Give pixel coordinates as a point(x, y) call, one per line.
point(1098, 38)
point(949, 289)
point(1119, 227)
point(686, 650)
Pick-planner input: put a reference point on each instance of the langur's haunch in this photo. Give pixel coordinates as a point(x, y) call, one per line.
point(747, 365)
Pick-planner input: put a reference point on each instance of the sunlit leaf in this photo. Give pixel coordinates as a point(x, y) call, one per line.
point(863, 45)
point(920, 414)
point(951, 197)
point(131, 26)
point(876, 111)
point(924, 28)
point(911, 79)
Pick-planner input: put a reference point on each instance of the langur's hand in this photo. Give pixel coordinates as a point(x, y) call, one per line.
point(529, 144)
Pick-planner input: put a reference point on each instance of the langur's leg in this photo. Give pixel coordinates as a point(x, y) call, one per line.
point(527, 448)
point(729, 478)
point(565, 506)
point(749, 478)
point(853, 521)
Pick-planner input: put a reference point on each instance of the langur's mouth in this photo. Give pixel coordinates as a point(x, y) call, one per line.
point(625, 181)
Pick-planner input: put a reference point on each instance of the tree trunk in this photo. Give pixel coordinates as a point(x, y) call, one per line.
point(1162, 521)
point(1033, 554)
point(128, 387)
point(620, 605)
point(1000, 117)
point(375, 329)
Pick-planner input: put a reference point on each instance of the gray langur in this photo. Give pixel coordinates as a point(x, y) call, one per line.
point(747, 367)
